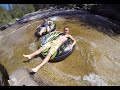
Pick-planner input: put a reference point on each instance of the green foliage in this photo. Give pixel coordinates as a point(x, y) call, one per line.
point(4, 15)
point(16, 11)
point(42, 6)
point(19, 10)
point(71, 5)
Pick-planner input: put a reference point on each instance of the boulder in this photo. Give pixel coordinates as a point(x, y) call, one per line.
point(21, 77)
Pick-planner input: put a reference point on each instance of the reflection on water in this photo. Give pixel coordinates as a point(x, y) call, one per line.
point(57, 18)
point(95, 61)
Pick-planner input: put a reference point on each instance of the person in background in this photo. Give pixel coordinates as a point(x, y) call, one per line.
point(46, 26)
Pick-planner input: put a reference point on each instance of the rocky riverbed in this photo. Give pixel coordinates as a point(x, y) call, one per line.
point(95, 61)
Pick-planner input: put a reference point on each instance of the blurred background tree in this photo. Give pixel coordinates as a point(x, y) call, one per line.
point(13, 11)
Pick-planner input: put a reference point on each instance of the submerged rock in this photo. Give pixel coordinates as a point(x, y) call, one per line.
point(21, 77)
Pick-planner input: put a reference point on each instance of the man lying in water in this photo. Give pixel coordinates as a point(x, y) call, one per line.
point(54, 45)
point(46, 26)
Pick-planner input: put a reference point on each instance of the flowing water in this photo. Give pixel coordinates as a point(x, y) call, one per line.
point(94, 62)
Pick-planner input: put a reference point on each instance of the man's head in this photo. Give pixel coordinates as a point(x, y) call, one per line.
point(66, 30)
point(45, 19)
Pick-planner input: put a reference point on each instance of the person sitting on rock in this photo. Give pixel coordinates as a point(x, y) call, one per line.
point(53, 45)
point(46, 26)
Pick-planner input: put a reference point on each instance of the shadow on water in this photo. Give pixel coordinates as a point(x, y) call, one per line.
point(105, 25)
point(102, 24)
point(37, 36)
point(4, 77)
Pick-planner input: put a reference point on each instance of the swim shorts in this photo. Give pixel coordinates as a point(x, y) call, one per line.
point(54, 45)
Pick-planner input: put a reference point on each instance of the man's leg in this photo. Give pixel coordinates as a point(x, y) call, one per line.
point(46, 59)
point(30, 56)
point(48, 28)
point(41, 31)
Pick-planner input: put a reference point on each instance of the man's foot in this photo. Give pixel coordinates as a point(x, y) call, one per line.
point(34, 70)
point(28, 56)
point(30, 72)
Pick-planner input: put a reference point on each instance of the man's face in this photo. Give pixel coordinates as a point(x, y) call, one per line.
point(45, 20)
point(66, 30)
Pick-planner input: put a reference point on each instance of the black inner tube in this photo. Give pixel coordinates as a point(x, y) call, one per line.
point(62, 52)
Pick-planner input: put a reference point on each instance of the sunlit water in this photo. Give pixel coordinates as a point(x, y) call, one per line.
point(95, 60)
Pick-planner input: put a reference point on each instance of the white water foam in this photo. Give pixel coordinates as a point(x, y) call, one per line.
point(95, 80)
point(55, 18)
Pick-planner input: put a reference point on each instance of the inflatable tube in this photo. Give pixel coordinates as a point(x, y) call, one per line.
point(44, 33)
point(63, 51)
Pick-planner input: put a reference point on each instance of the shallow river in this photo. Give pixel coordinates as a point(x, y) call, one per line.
point(94, 62)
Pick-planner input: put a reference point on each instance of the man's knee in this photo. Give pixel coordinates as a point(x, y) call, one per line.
point(42, 48)
point(48, 28)
point(49, 54)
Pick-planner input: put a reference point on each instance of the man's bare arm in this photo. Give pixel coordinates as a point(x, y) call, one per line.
point(74, 41)
point(38, 26)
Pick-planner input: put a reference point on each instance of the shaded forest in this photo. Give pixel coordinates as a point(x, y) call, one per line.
point(19, 10)
point(16, 11)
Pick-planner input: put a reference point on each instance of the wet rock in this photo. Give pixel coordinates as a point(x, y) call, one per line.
point(46, 13)
point(21, 77)
point(3, 27)
point(107, 10)
point(4, 77)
